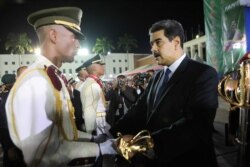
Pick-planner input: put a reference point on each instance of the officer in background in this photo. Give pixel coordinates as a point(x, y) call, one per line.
point(93, 100)
point(82, 76)
point(76, 100)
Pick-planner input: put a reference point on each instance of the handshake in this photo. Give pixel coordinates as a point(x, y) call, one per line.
point(128, 145)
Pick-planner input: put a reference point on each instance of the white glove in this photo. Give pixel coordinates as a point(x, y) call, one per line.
point(108, 147)
point(99, 138)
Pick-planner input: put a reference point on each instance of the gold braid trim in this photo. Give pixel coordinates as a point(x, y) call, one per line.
point(59, 115)
point(14, 88)
point(16, 85)
point(59, 112)
point(72, 119)
point(58, 108)
point(70, 24)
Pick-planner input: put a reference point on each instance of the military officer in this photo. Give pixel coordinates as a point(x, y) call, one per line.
point(39, 110)
point(82, 75)
point(76, 100)
point(93, 100)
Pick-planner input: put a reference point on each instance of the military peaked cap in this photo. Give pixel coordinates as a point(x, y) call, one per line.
point(94, 60)
point(69, 17)
point(78, 69)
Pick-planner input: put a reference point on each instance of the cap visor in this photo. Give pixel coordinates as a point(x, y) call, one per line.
point(78, 34)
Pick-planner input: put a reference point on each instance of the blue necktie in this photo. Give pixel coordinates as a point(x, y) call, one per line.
point(162, 84)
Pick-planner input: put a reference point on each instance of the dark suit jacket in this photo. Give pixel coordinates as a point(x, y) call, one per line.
point(181, 120)
point(77, 103)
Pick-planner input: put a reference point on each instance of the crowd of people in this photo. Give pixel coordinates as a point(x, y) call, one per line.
point(12, 155)
point(52, 121)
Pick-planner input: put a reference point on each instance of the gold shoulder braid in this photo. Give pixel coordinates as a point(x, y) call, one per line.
point(140, 143)
point(53, 74)
point(56, 87)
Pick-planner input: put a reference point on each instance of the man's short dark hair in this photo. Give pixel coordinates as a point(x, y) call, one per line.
point(172, 29)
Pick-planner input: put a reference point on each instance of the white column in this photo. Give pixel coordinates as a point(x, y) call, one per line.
point(192, 51)
point(200, 53)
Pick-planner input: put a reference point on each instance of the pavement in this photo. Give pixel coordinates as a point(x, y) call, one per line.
point(226, 155)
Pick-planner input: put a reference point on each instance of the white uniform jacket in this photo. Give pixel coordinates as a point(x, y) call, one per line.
point(93, 106)
point(40, 120)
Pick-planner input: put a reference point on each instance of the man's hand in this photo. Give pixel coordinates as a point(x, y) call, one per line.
point(108, 147)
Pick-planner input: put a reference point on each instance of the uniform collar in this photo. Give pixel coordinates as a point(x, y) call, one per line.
point(44, 61)
point(98, 80)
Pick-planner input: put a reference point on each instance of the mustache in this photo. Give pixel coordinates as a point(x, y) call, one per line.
point(156, 54)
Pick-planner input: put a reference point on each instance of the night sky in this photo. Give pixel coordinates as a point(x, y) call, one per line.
point(107, 18)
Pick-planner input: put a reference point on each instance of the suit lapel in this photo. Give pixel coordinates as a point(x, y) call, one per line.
point(152, 91)
point(176, 77)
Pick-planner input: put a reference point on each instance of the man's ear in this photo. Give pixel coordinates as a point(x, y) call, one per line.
point(177, 41)
point(52, 35)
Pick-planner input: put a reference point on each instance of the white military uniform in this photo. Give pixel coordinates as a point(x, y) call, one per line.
point(93, 106)
point(40, 120)
point(79, 85)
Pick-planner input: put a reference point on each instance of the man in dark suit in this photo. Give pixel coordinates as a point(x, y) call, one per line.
point(179, 115)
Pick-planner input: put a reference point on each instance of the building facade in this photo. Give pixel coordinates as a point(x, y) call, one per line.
point(116, 63)
point(196, 48)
